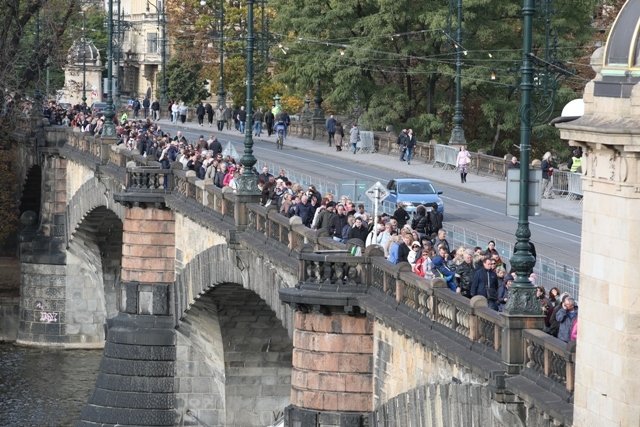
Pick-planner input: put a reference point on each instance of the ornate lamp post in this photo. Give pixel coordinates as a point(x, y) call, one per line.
point(84, 62)
point(163, 54)
point(522, 299)
point(248, 181)
point(109, 129)
point(457, 134)
point(221, 92)
point(162, 23)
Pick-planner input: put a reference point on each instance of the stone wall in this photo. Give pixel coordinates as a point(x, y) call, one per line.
point(42, 305)
point(199, 375)
point(402, 364)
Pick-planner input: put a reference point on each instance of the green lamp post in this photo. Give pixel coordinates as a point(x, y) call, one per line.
point(522, 295)
point(457, 134)
point(248, 182)
point(109, 129)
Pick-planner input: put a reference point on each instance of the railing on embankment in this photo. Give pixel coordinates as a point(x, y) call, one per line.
point(547, 361)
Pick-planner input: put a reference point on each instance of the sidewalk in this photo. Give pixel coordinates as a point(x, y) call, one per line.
point(478, 184)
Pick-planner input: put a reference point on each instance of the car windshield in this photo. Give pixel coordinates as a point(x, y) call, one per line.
point(415, 187)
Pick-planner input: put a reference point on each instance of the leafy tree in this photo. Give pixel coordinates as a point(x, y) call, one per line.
point(185, 82)
point(393, 62)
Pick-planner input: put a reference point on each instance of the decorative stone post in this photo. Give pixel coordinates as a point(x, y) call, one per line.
point(331, 381)
point(608, 315)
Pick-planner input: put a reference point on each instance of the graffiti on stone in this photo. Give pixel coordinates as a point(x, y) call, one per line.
point(48, 317)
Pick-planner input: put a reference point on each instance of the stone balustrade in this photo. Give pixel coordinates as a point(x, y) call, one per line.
point(550, 357)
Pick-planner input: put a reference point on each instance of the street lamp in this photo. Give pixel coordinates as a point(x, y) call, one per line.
point(457, 134)
point(84, 62)
point(118, 53)
point(162, 22)
point(522, 295)
point(248, 182)
point(221, 92)
point(109, 129)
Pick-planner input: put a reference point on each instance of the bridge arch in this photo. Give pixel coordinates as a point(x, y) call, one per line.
point(233, 362)
point(91, 195)
point(222, 264)
point(93, 275)
point(31, 191)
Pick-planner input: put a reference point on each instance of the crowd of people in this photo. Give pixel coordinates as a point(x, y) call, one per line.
point(417, 238)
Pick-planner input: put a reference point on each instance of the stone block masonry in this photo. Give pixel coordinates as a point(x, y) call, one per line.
point(148, 250)
point(332, 362)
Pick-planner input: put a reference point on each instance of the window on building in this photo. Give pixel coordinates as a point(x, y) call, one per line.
point(152, 42)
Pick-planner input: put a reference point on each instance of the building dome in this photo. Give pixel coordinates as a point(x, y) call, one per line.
point(83, 51)
point(622, 50)
point(620, 69)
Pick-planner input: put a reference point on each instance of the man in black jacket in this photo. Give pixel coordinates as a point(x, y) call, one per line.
point(337, 223)
point(208, 109)
point(200, 113)
point(359, 230)
point(485, 283)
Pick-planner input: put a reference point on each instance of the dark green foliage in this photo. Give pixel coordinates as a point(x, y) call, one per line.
point(392, 62)
point(184, 81)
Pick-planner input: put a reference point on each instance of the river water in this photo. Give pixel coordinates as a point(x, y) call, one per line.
point(42, 387)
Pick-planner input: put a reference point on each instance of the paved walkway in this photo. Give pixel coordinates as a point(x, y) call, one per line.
point(476, 183)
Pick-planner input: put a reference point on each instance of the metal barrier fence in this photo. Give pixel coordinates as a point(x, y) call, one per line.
point(549, 272)
point(567, 184)
point(445, 156)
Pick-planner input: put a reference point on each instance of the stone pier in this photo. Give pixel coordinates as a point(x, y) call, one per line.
point(608, 349)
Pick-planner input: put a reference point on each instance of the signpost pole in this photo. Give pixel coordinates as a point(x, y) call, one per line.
point(375, 216)
point(376, 194)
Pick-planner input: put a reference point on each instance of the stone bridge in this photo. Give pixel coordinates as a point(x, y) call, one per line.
point(219, 311)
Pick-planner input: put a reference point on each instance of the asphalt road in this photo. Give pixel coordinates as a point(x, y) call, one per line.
point(555, 237)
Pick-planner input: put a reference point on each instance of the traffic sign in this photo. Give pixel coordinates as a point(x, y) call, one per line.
point(377, 192)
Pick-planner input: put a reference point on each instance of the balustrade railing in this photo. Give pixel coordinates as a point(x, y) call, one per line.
point(488, 326)
point(144, 179)
point(550, 357)
point(331, 268)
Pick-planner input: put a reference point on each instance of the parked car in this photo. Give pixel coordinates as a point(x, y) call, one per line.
point(98, 107)
point(414, 192)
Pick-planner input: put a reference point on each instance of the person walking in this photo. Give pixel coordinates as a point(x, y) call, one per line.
point(339, 136)
point(220, 118)
point(331, 128)
point(354, 137)
point(145, 105)
point(268, 121)
point(208, 109)
point(411, 145)
point(155, 110)
point(182, 112)
point(175, 112)
point(462, 163)
point(402, 142)
point(547, 175)
point(258, 116)
point(200, 111)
